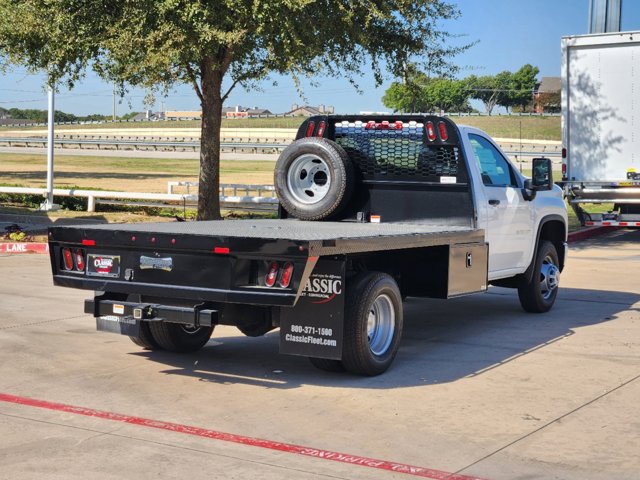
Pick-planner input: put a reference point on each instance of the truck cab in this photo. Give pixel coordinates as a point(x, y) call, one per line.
point(511, 217)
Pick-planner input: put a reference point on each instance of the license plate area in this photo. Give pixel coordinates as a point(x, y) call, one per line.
point(103, 265)
point(124, 325)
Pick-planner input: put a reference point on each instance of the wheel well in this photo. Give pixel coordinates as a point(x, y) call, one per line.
point(555, 232)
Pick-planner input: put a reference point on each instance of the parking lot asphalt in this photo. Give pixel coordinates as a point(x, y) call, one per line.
point(479, 389)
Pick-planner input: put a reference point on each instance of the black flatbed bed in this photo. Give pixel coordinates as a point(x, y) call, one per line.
point(321, 238)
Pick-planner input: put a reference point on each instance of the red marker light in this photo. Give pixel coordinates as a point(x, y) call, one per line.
point(79, 258)
point(153, 239)
point(270, 278)
point(88, 243)
point(310, 128)
point(320, 129)
point(287, 273)
point(564, 152)
point(431, 132)
point(68, 258)
point(444, 135)
point(221, 250)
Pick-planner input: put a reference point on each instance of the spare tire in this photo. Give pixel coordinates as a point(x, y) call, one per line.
point(313, 178)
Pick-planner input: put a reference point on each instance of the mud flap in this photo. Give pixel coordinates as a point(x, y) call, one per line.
point(125, 325)
point(313, 327)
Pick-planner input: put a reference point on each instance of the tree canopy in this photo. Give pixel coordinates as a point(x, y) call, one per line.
point(215, 46)
point(420, 93)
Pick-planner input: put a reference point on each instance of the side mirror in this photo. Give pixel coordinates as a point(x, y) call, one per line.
point(542, 174)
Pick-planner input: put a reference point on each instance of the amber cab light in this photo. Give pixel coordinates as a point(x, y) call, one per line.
point(272, 274)
point(68, 258)
point(287, 273)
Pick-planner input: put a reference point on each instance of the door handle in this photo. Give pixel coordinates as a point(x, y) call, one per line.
point(494, 201)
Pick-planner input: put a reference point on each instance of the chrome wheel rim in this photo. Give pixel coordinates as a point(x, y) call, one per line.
point(309, 179)
point(549, 277)
point(381, 324)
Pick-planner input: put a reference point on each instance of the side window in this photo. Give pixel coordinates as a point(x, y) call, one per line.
point(495, 170)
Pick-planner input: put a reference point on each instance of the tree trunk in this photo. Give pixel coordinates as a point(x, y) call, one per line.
point(209, 182)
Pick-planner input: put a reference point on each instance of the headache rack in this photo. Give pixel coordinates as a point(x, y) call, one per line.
point(408, 167)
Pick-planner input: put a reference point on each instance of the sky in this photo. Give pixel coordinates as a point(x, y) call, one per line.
point(509, 34)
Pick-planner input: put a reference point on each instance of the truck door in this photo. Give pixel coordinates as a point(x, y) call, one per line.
point(508, 217)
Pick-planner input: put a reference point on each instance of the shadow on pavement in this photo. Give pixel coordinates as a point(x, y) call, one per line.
point(443, 341)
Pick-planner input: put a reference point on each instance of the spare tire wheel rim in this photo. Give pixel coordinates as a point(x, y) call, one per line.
point(381, 324)
point(309, 179)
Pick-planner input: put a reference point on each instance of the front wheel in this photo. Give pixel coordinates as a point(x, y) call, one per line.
point(539, 295)
point(373, 323)
point(176, 337)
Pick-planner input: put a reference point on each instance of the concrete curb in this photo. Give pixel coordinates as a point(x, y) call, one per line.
point(586, 233)
point(24, 247)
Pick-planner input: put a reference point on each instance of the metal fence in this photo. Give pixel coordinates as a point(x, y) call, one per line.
point(247, 202)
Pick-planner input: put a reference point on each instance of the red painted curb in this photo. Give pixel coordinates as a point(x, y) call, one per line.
point(232, 438)
point(24, 247)
point(586, 233)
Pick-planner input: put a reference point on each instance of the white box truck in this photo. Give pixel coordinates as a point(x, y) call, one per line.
point(601, 126)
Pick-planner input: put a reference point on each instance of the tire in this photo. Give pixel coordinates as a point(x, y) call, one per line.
point(145, 339)
point(372, 324)
point(539, 295)
point(313, 178)
point(327, 365)
point(176, 337)
point(255, 331)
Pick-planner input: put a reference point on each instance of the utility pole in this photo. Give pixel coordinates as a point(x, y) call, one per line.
point(48, 203)
point(114, 102)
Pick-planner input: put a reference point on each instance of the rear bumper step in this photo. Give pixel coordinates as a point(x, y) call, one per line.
point(201, 315)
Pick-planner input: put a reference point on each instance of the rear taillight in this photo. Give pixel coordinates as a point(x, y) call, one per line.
point(564, 171)
point(444, 135)
point(67, 257)
point(431, 132)
point(79, 260)
point(310, 128)
point(564, 152)
point(272, 274)
point(287, 273)
point(321, 126)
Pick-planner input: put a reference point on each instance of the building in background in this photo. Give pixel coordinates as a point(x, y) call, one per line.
point(4, 114)
point(546, 95)
point(309, 111)
point(182, 115)
point(244, 112)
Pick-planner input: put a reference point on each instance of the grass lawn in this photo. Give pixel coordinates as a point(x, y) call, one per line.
point(123, 174)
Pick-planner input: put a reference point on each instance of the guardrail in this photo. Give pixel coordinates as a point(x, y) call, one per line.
point(228, 202)
point(140, 144)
